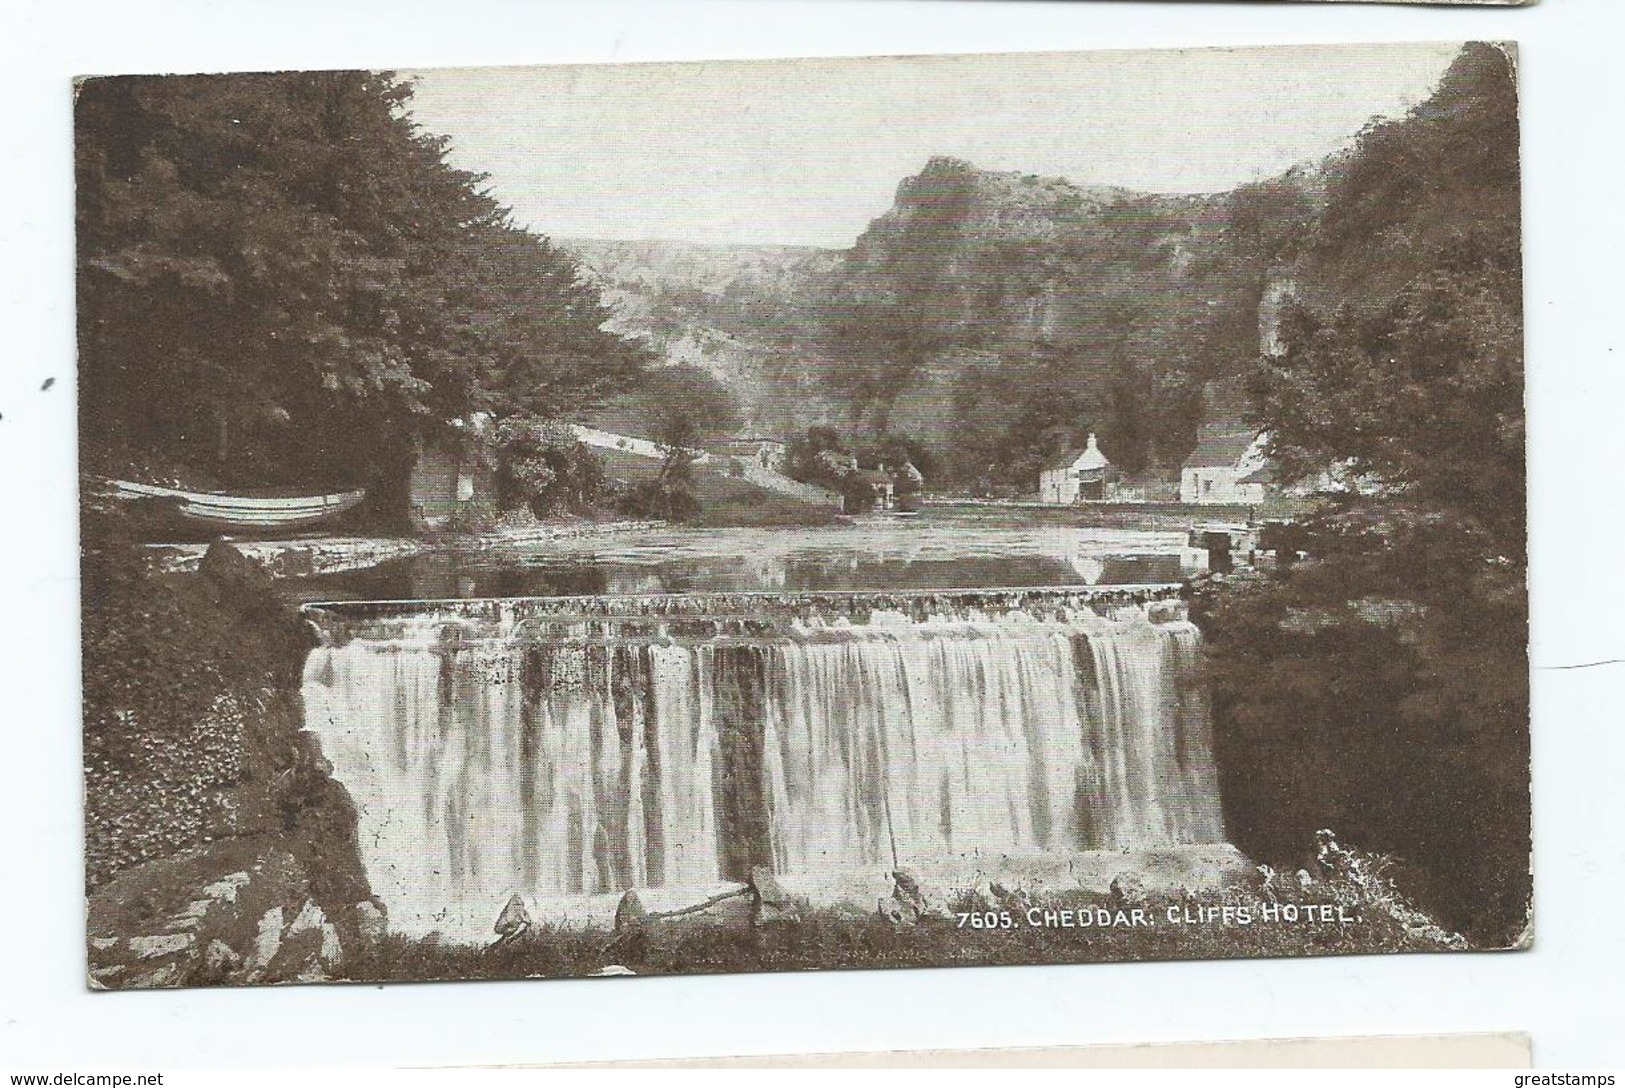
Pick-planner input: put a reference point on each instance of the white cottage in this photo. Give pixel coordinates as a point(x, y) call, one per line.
point(1075, 477)
point(1227, 467)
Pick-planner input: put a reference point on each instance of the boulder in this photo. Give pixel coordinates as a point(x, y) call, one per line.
point(916, 899)
point(514, 919)
point(238, 576)
point(771, 903)
point(1014, 900)
point(220, 962)
point(222, 896)
point(154, 947)
point(726, 905)
point(371, 921)
point(267, 943)
point(226, 888)
point(630, 912)
point(331, 952)
point(106, 978)
point(308, 949)
point(1126, 888)
point(895, 912)
point(160, 977)
point(907, 891)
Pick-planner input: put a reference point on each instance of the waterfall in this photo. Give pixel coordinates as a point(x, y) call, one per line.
point(579, 758)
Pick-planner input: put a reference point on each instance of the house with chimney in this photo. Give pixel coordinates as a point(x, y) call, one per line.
point(1075, 476)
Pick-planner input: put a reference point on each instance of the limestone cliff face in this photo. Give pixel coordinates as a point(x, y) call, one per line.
point(1111, 307)
point(980, 254)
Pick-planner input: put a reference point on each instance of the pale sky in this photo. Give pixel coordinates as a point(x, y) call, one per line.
point(807, 152)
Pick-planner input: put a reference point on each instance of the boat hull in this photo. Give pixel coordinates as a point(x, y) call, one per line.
point(245, 511)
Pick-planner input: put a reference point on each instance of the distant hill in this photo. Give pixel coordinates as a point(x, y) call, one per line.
point(748, 314)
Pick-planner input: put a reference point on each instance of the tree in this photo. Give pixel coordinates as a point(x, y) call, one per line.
point(681, 401)
point(1382, 689)
point(282, 281)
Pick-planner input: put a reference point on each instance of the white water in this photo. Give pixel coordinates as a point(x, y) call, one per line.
point(487, 765)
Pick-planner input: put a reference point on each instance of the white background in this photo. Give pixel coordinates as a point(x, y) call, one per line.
point(1566, 992)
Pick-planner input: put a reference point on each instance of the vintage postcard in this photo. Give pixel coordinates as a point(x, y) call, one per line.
point(751, 516)
point(1490, 1050)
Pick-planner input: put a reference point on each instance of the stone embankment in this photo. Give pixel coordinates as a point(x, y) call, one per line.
point(293, 558)
point(303, 558)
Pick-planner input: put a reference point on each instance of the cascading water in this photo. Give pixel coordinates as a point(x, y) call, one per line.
point(566, 758)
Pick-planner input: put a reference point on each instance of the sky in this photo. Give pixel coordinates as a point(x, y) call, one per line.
point(807, 152)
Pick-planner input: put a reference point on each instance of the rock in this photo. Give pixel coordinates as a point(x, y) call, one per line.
point(1127, 888)
point(310, 919)
point(630, 911)
point(331, 952)
point(514, 919)
point(907, 891)
point(612, 971)
point(267, 942)
point(917, 903)
point(894, 912)
point(169, 974)
point(221, 958)
point(309, 946)
point(712, 906)
point(1014, 900)
point(167, 945)
point(104, 944)
point(772, 903)
point(238, 576)
point(102, 977)
point(313, 971)
point(226, 888)
point(371, 922)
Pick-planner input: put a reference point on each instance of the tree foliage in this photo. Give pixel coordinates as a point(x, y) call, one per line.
point(543, 468)
point(282, 280)
point(1382, 689)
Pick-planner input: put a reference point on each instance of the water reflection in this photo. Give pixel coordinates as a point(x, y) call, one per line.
point(734, 561)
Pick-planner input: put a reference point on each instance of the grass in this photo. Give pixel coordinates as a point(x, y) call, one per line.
point(827, 939)
point(725, 500)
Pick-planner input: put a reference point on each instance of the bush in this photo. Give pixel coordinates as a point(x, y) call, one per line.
point(543, 467)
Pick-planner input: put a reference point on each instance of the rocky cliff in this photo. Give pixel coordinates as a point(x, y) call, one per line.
point(996, 315)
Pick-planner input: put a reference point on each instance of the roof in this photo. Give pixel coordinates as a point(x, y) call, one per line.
point(1088, 459)
point(1215, 447)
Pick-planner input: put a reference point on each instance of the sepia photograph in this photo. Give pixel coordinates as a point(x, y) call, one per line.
point(676, 518)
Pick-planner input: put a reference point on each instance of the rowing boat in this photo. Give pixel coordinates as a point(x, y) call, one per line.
point(245, 511)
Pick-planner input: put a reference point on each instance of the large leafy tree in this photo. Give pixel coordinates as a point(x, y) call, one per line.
point(1382, 689)
point(282, 280)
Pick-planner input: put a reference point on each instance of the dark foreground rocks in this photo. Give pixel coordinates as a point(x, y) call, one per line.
point(219, 849)
point(239, 912)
